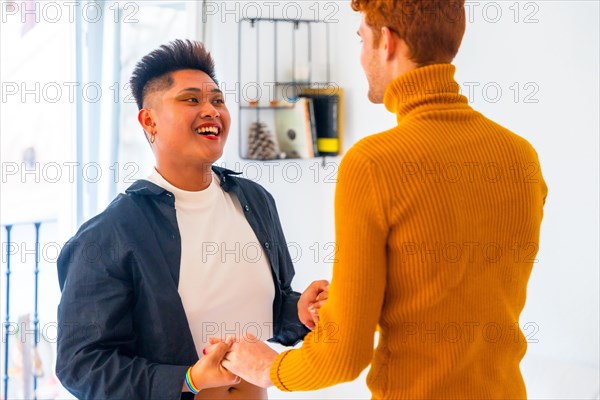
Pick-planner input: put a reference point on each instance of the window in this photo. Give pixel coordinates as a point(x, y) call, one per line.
point(69, 141)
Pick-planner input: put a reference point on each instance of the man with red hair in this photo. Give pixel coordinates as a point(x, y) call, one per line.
point(427, 236)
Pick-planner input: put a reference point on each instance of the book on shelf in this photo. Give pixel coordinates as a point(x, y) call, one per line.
point(328, 114)
point(296, 129)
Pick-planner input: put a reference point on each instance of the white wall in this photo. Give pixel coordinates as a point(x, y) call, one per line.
point(550, 49)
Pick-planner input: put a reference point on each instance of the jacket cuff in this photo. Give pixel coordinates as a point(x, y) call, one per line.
point(293, 334)
point(168, 381)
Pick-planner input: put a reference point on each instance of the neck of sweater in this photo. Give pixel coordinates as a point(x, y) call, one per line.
point(417, 90)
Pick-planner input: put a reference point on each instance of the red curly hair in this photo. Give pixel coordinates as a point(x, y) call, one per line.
point(432, 29)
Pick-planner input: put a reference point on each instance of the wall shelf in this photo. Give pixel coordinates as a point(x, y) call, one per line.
point(268, 67)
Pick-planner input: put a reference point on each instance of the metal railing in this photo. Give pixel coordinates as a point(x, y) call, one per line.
point(10, 251)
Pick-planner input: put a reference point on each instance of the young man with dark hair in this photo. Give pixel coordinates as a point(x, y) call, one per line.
point(429, 215)
point(168, 263)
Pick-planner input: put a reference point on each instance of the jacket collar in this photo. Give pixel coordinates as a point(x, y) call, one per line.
point(142, 187)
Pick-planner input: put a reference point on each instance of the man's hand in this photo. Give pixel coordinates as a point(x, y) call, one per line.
point(313, 298)
point(251, 359)
point(208, 371)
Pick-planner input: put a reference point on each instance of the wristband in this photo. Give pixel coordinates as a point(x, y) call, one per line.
point(189, 383)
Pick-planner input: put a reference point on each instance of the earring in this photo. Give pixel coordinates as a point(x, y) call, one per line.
point(152, 138)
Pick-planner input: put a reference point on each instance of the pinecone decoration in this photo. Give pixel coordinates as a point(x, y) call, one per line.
point(261, 143)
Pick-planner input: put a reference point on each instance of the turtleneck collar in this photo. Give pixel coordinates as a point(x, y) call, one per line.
point(419, 89)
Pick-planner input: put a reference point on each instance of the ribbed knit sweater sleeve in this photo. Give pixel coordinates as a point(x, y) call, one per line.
point(341, 345)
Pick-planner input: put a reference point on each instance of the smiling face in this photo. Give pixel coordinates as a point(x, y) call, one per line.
point(189, 120)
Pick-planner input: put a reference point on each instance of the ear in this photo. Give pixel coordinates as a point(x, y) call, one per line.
point(146, 120)
point(389, 43)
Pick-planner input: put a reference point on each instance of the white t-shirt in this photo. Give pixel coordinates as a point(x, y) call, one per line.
point(225, 281)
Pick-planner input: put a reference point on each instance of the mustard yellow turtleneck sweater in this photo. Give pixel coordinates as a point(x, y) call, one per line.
point(437, 228)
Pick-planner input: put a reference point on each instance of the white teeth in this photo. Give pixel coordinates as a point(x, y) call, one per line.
point(211, 129)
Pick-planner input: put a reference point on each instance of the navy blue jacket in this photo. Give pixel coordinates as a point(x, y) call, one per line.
point(123, 332)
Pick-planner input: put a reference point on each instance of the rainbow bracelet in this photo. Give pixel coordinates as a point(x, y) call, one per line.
point(189, 383)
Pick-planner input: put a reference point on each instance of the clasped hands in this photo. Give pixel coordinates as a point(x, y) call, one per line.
point(228, 361)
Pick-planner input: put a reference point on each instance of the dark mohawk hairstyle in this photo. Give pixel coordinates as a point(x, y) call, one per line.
point(153, 71)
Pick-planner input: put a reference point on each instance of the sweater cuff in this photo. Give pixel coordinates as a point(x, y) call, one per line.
point(274, 373)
